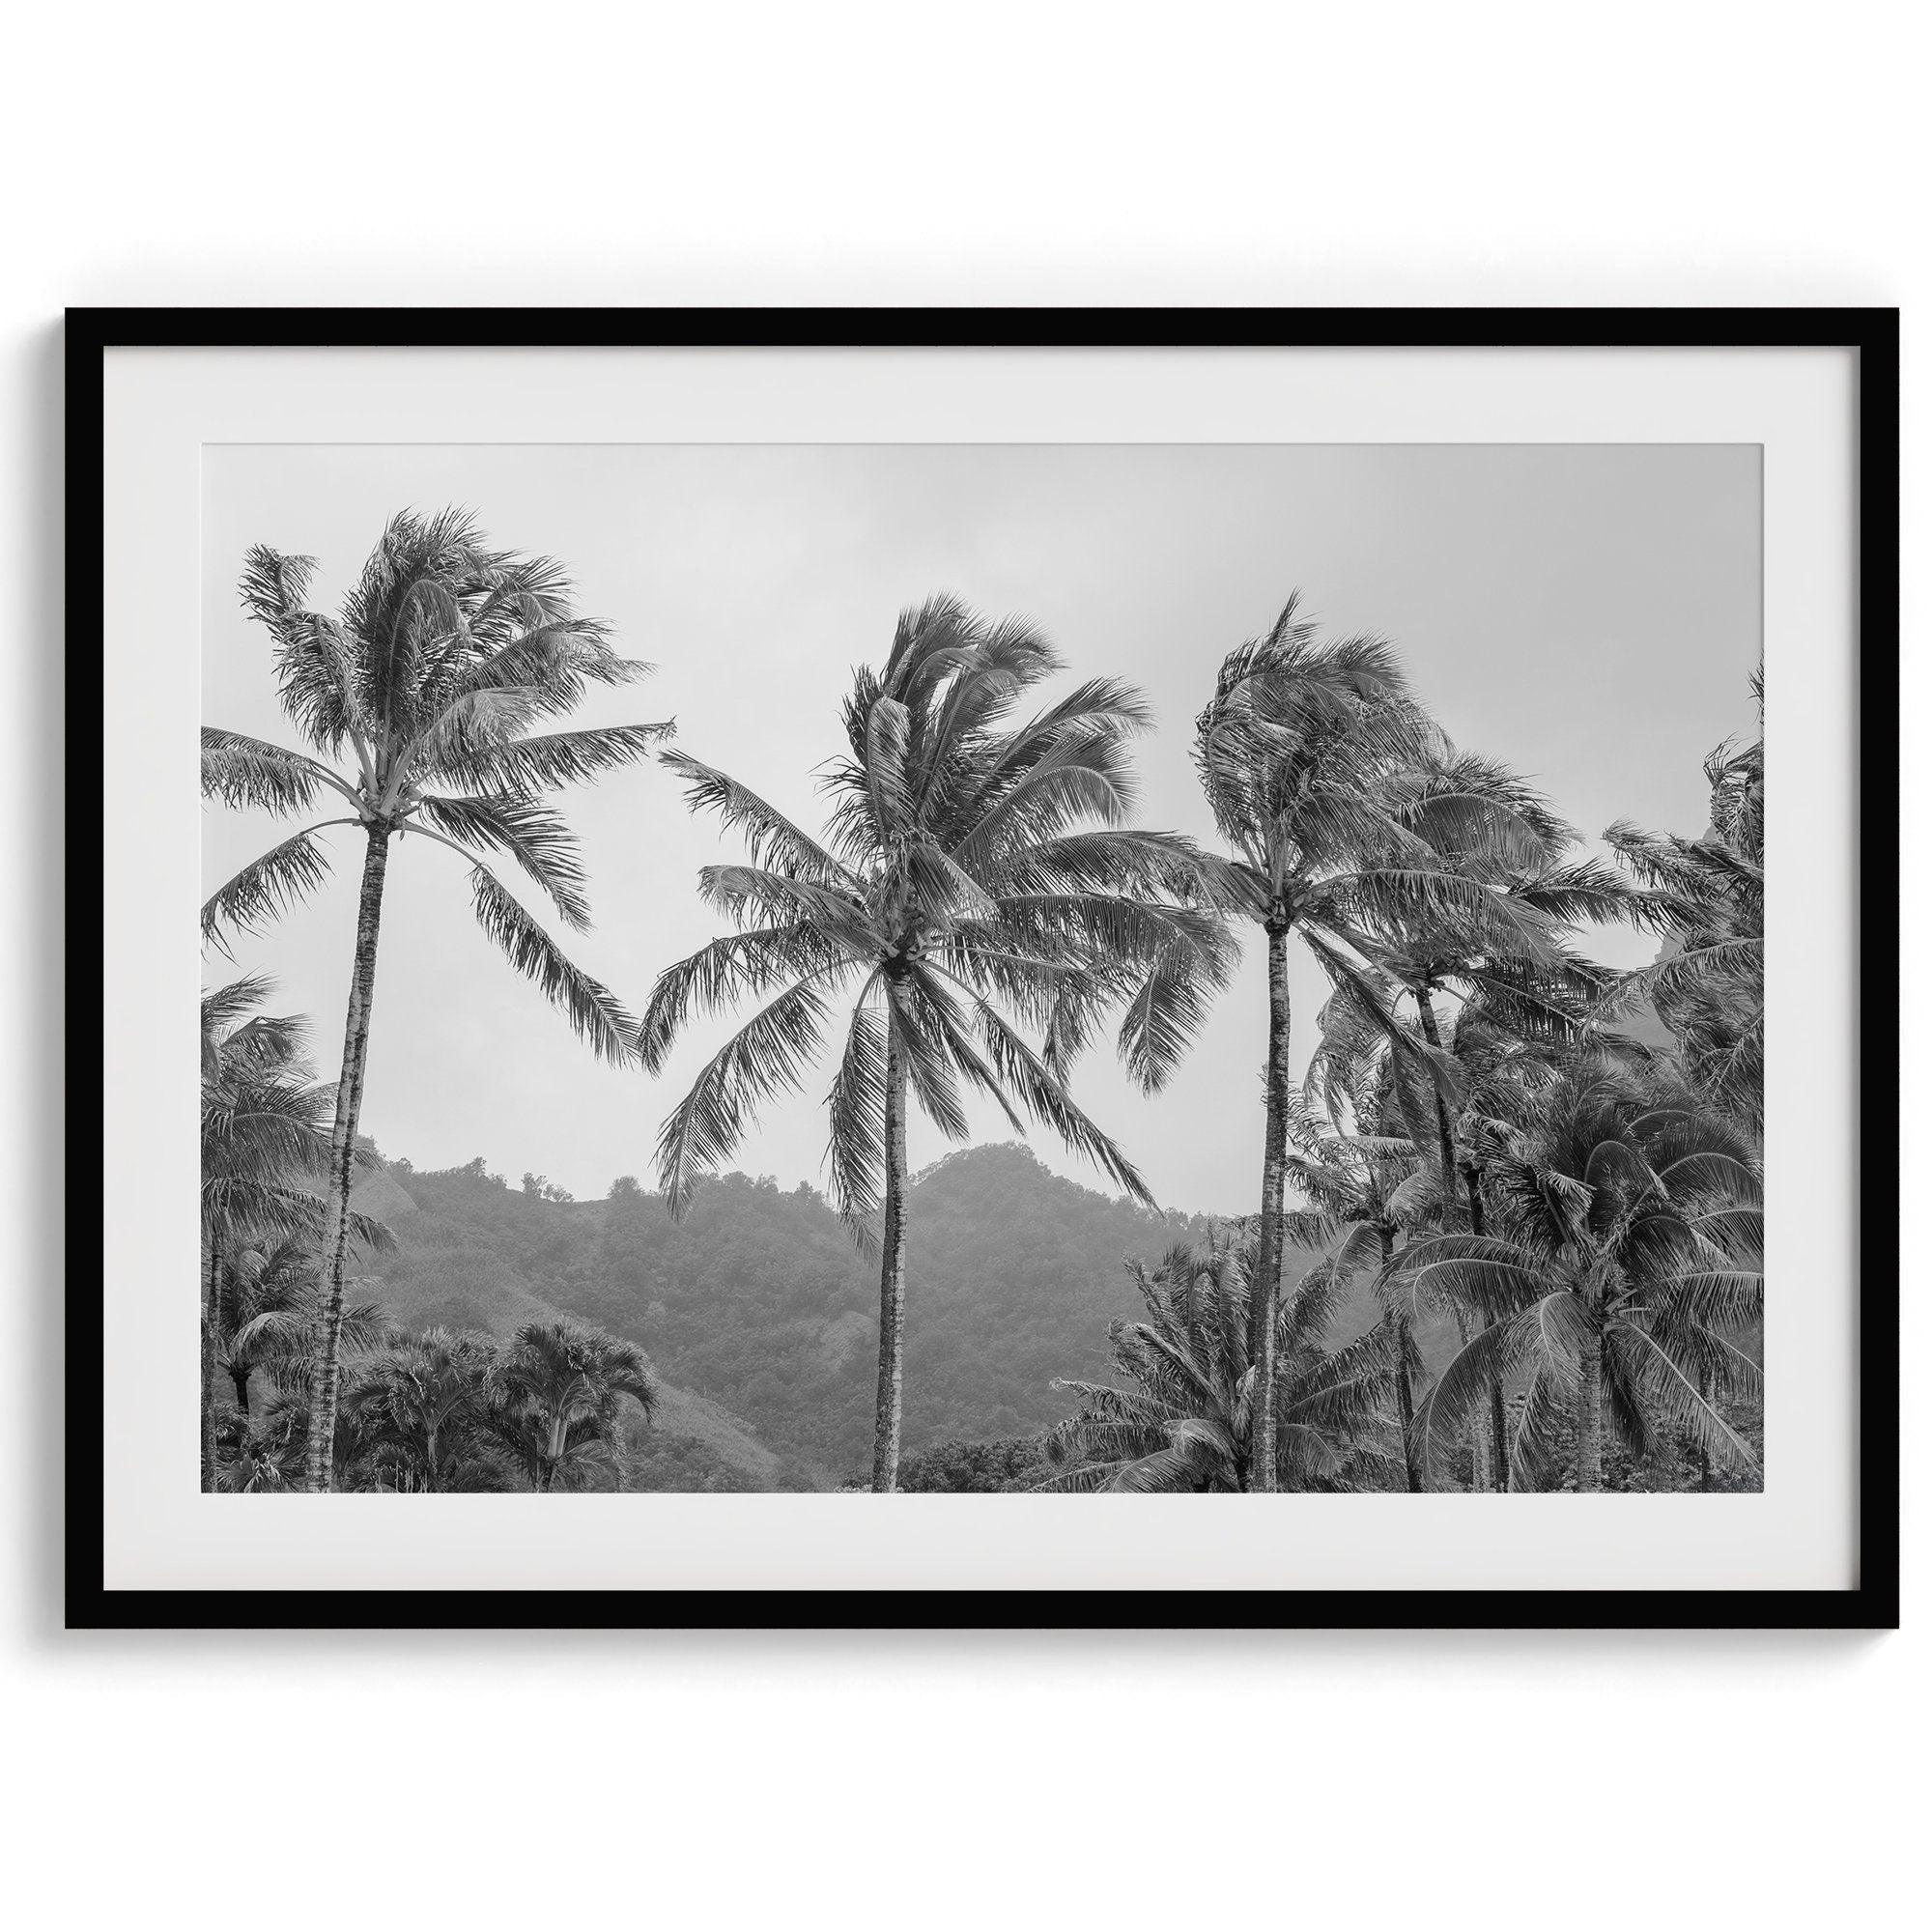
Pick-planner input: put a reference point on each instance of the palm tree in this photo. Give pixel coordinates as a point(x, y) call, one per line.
point(977, 878)
point(419, 1417)
point(1314, 761)
point(1495, 831)
point(1367, 1192)
point(1708, 896)
point(421, 694)
point(555, 1395)
point(1630, 1241)
point(1516, 968)
point(1182, 1415)
point(263, 1138)
point(271, 1312)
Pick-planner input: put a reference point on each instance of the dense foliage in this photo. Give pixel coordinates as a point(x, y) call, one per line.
point(1181, 1416)
point(543, 1410)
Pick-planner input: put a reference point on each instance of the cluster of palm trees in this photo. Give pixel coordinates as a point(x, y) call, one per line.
point(1474, 1132)
point(544, 1410)
point(1585, 1207)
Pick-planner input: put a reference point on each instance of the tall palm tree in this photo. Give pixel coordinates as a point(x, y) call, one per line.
point(1309, 754)
point(977, 878)
point(1516, 968)
point(1629, 1242)
point(420, 695)
point(1182, 1415)
point(264, 1142)
point(555, 1394)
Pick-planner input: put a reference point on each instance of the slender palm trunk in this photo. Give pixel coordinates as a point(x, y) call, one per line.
point(1499, 1423)
point(1704, 1443)
point(892, 1275)
point(1445, 1139)
point(559, 1424)
point(210, 1281)
point(1405, 1389)
point(327, 1371)
point(1266, 1290)
point(239, 1375)
point(1590, 1408)
point(1491, 1470)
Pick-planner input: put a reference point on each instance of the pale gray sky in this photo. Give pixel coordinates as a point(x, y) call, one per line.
point(1588, 613)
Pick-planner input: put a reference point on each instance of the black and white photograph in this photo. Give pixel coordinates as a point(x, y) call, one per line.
point(1174, 970)
point(1129, 967)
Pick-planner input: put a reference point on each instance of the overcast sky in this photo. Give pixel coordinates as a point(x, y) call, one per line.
point(1588, 613)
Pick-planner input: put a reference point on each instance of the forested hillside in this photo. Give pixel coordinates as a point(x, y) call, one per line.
point(757, 1301)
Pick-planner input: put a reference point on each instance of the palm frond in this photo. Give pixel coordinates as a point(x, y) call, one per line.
point(770, 838)
point(855, 1152)
point(552, 759)
point(594, 1012)
point(739, 964)
point(245, 772)
point(535, 836)
point(765, 1056)
point(266, 888)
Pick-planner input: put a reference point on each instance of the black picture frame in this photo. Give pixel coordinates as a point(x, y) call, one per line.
point(1873, 333)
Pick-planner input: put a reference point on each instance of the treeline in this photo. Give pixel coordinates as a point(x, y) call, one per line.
point(1477, 1139)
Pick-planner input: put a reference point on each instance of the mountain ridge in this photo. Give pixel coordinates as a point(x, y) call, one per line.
point(760, 1312)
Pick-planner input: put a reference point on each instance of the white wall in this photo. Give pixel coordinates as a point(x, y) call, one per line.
point(488, 153)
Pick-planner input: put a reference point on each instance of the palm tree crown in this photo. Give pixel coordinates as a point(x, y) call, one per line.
point(271, 1311)
point(976, 879)
point(421, 694)
point(1629, 1242)
point(264, 1121)
point(417, 1418)
point(555, 1396)
point(1182, 1415)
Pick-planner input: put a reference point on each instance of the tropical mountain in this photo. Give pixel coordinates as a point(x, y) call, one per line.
point(760, 1317)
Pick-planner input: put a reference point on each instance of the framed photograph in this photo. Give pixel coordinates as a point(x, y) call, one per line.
point(983, 968)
